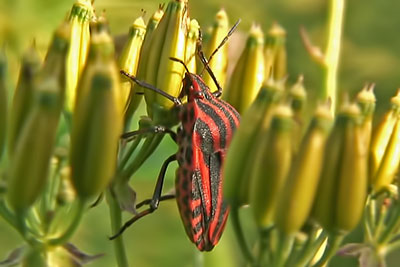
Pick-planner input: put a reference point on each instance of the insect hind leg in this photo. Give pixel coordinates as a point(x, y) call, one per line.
point(155, 200)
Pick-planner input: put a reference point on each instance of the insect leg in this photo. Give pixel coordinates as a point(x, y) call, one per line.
point(158, 129)
point(155, 200)
point(143, 84)
point(148, 201)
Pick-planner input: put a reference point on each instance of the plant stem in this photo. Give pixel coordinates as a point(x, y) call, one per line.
point(393, 221)
point(116, 224)
point(330, 68)
point(72, 227)
point(314, 242)
point(285, 242)
point(237, 227)
point(334, 242)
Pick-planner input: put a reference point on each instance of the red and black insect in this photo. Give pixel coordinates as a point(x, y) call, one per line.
point(207, 127)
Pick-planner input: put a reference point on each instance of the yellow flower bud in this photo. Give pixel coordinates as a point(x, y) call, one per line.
point(79, 18)
point(248, 75)
point(168, 40)
point(219, 62)
point(296, 199)
point(136, 95)
point(130, 54)
point(381, 137)
point(191, 45)
point(275, 53)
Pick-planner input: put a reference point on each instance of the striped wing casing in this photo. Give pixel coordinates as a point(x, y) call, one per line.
point(208, 124)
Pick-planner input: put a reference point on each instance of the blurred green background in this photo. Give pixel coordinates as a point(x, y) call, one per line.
point(370, 53)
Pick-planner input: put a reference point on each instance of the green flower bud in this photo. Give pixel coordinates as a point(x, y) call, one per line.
point(274, 156)
point(254, 121)
point(31, 158)
point(23, 95)
point(342, 189)
point(3, 101)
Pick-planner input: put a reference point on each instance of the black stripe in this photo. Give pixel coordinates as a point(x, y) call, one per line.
point(223, 106)
point(207, 142)
point(197, 228)
point(219, 122)
point(196, 212)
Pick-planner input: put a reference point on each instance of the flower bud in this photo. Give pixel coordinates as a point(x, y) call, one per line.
point(274, 155)
point(219, 62)
point(23, 95)
point(248, 75)
point(255, 120)
point(191, 45)
point(97, 121)
point(296, 199)
point(129, 58)
point(168, 40)
point(3, 101)
point(31, 158)
point(342, 189)
point(381, 138)
point(366, 101)
point(136, 94)
point(275, 53)
point(79, 18)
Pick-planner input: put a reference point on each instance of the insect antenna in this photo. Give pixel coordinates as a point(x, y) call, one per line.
point(204, 60)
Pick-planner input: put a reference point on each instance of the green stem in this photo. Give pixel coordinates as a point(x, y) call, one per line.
point(335, 25)
point(237, 227)
point(126, 156)
point(264, 243)
point(116, 224)
point(334, 242)
point(285, 243)
point(146, 150)
point(393, 221)
point(64, 237)
point(380, 221)
point(312, 246)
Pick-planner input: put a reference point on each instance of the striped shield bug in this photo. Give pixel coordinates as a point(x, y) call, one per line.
point(207, 124)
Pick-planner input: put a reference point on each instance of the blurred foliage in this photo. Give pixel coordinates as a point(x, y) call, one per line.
point(370, 53)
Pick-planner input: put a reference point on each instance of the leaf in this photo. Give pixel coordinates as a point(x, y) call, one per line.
point(125, 196)
point(14, 257)
point(366, 254)
point(81, 256)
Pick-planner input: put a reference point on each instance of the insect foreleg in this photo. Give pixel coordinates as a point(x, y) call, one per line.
point(158, 129)
point(143, 84)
